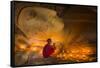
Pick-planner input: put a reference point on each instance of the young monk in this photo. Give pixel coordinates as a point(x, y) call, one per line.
point(48, 49)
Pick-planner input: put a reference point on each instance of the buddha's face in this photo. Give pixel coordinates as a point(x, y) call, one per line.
point(30, 21)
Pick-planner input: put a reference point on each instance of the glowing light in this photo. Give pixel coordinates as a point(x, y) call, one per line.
point(78, 53)
point(21, 46)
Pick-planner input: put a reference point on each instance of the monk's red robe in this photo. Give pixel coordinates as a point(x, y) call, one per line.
point(48, 50)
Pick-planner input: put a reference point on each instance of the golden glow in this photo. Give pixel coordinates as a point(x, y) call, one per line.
point(78, 53)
